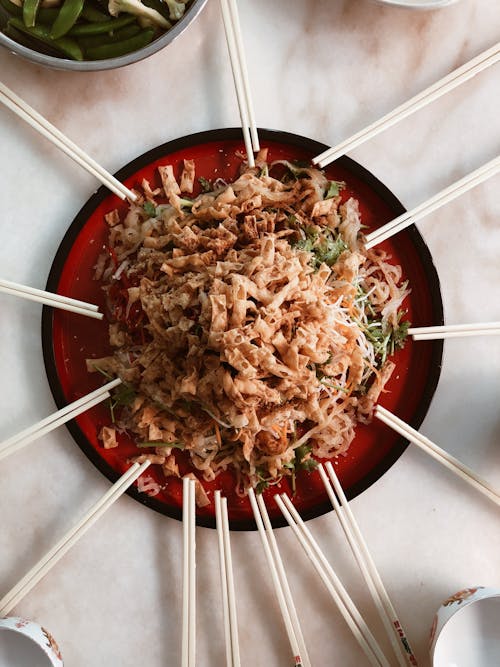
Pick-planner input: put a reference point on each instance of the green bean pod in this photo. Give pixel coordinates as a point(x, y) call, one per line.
point(30, 42)
point(67, 17)
point(65, 45)
point(30, 10)
point(91, 41)
point(101, 28)
point(116, 49)
point(47, 15)
point(91, 13)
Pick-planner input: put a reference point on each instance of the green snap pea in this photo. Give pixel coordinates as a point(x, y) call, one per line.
point(64, 45)
point(30, 10)
point(47, 15)
point(116, 49)
point(67, 17)
point(93, 14)
point(90, 41)
point(101, 28)
point(29, 43)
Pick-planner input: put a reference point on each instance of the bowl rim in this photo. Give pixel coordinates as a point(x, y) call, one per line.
point(109, 63)
point(224, 134)
point(419, 4)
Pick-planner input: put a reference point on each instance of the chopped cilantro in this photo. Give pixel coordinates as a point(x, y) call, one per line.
point(386, 340)
point(302, 459)
point(123, 395)
point(400, 334)
point(149, 208)
point(333, 189)
point(324, 246)
point(205, 184)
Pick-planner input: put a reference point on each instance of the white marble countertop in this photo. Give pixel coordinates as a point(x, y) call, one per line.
point(321, 68)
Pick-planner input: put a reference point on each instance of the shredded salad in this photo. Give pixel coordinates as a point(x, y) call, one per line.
point(249, 325)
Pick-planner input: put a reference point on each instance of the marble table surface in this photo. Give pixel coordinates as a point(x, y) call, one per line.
point(323, 69)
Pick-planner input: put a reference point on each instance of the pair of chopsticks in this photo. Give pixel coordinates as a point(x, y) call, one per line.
point(237, 58)
point(344, 603)
point(45, 564)
point(433, 92)
point(385, 608)
point(440, 455)
point(440, 199)
point(58, 418)
point(189, 573)
point(455, 331)
point(50, 299)
point(46, 129)
point(280, 581)
point(227, 582)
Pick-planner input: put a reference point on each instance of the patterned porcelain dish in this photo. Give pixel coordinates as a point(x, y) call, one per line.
point(465, 629)
point(26, 644)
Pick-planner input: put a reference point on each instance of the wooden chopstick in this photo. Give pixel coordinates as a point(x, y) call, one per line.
point(189, 573)
point(443, 197)
point(237, 59)
point(56, 419)
point(50, 299)
point(45, 564)
point(281, 587)
point(385, 608)
point(50, 132)
point(440, 455)
point(344, 603)
point(433, 92)
point(227, 582)
point(454, 331)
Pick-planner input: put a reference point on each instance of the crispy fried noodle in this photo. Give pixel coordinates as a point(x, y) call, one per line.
point(250, 326)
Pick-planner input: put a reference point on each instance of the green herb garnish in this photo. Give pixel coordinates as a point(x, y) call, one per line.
point(386, 340)
point(324, 246)
point(122, 395)
point(333, 189)
point(102, 372)
point(149, 208)
point(400, 334)
point(205, 184)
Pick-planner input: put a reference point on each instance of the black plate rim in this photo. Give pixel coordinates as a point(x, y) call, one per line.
point(230, 134)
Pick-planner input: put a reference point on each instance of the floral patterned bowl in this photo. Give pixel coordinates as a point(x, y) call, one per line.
point(28, 644)
point(465, 629)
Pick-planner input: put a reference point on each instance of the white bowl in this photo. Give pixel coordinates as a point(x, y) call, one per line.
point(25, 643)
point(465, 632)
point(418, 4)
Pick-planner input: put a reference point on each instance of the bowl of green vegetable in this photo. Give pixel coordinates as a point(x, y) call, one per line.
point(90, 35)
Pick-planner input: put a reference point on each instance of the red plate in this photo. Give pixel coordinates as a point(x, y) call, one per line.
point(69, 339)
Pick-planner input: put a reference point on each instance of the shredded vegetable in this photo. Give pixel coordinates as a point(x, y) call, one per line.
point(251, 328)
